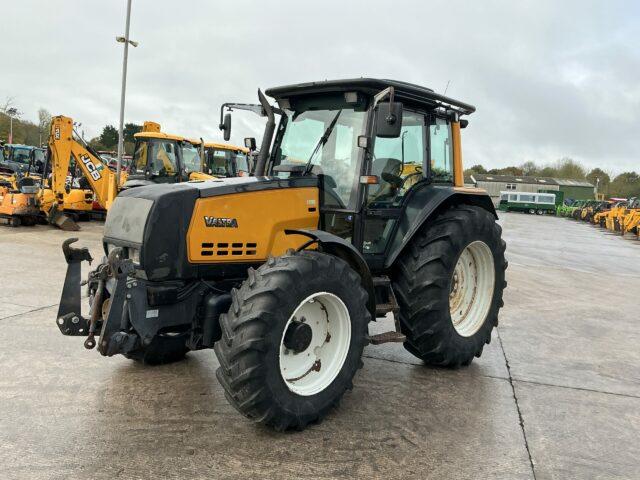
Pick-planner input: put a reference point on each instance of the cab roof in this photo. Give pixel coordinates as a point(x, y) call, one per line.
point(223, 146)
point(160, 135)
point(403, 92)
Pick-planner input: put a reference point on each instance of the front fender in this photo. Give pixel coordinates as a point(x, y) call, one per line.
point(334, 245)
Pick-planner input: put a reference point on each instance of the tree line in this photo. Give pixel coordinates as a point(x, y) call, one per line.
point(624, 185)
point(26, 132)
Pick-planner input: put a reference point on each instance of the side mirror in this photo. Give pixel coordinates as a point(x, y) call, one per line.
point(250, 143)
point(225, 126)
point(388, 119)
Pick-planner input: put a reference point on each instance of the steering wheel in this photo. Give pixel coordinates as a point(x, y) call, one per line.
point(330, 185)
point(394, 180)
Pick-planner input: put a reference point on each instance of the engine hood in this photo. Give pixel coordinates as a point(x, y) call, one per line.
point(155, 219)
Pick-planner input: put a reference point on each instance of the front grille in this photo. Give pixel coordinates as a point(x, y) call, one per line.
point(223, 249)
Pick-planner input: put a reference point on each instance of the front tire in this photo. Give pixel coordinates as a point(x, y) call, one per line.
point(293, 339)
point(449, 284)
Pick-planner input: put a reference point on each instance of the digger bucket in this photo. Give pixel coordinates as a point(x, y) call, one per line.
point(63, 221)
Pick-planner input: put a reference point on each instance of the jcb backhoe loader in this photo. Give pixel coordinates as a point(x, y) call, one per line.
point(164, 158)
point(615, 215)
point(630, 221)
point(281, 272)
point(223, 160)
point(61, 201)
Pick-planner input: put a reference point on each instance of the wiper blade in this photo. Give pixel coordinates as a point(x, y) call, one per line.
point(323, 139)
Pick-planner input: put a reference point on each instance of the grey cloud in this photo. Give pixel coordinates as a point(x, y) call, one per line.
point(550, 79)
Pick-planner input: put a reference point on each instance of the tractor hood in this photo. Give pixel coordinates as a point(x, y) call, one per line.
point(151, 222)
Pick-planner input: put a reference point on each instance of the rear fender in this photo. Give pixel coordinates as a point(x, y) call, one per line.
point(425, 204)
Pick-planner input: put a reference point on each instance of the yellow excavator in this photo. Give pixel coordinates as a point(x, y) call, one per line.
point(18, 199)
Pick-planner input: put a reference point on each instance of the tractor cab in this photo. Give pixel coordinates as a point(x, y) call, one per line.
point(378, 148)
point(224, 160)
point(160, 157)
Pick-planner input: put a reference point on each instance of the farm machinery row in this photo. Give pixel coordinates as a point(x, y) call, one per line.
point(70, 181)
point(618, 215)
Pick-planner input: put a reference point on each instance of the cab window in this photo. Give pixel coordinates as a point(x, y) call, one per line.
point(164, 158)
point(21, 155)
point(440, 153)
point(140, 157)
point(327, 141)
point(191, 158)
point(398, 162)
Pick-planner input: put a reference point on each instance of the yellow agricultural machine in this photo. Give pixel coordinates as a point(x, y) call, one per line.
point(357, 209)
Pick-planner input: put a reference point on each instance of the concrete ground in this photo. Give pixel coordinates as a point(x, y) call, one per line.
point(556, 394)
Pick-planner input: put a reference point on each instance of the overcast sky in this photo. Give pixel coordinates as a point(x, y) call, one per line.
point(549, 79)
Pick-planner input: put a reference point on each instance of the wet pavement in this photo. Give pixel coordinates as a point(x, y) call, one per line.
point(555, 395)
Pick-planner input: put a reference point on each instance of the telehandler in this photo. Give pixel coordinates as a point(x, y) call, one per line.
point(281, 272)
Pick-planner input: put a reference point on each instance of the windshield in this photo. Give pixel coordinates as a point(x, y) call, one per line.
point(191, 158)
point(335, 155)
point(226, 163)
point(156, 158)
point(39, 155)
point(21, 155)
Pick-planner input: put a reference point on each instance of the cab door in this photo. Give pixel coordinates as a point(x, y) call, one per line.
point(399, 164)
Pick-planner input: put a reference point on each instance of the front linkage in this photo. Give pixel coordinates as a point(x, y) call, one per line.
point(129, 312)
point(109, 310)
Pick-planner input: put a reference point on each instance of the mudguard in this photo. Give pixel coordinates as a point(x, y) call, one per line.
point(330, 243)
point(423, 203)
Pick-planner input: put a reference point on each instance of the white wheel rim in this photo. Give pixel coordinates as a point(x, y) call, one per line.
point(472, 286)
point(312, 370)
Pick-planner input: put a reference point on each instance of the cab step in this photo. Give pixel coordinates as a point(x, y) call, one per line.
point(385, 298)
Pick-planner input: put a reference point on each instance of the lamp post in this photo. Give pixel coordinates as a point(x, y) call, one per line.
point(126, 42)
point(12, 112)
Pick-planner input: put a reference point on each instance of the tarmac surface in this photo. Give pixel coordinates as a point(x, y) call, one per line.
point(556, 395)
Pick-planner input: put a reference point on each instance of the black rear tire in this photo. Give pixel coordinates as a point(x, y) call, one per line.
point(422, 281)
point(253, 329)
point(163, 349)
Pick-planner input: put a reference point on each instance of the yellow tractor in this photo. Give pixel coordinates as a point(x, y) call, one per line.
point(357, 209)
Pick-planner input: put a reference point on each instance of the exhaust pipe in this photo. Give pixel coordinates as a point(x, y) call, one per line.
point(269, 128)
